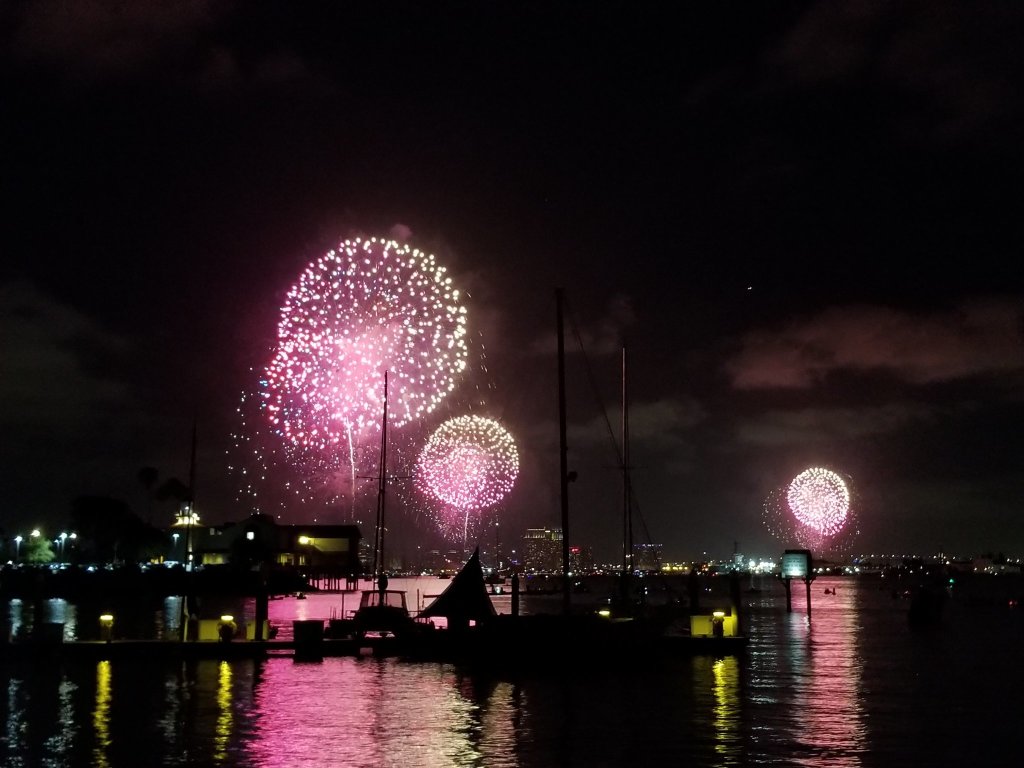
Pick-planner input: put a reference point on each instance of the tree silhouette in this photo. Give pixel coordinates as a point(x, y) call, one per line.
point(38, 549)
point(173, 489)
point(108, 531)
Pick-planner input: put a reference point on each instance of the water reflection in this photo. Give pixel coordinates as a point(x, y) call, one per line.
point(832, 701)
point(796, 698)
point(39, 718)
point(830, 725)
point(60, 611)
point(377, 712)
point(101, 714)
point(224, 716)
point(726, 720)
point(14, 618)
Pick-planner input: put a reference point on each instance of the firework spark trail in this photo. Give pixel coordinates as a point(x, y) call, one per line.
point(469, 463)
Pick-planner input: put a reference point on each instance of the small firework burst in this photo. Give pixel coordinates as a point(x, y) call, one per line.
point(815, 511)
point(469, 464)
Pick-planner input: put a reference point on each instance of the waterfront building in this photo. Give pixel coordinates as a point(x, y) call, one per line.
point(328, 548)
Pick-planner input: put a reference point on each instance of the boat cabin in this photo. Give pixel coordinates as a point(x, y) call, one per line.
point(382, 612)
point(388, 598)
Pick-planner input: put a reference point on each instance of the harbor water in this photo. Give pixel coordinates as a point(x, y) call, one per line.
point(851, 685)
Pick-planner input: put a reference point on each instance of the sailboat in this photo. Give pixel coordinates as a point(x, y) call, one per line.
point(382, 611)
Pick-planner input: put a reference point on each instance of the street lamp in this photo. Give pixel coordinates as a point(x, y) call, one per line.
point(60, 540)
point(106, 626)
point(17, 547)
point(174, 546)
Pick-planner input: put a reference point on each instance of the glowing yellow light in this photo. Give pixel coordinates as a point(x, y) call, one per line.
point(304, 539)
point(718, 614)
point(604, 612)
point(227, 617)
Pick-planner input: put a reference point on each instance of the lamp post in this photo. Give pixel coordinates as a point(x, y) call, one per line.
point(17, 548)
point(106, 627)
point(60, 541)
point(305, 554)
point(174, 546)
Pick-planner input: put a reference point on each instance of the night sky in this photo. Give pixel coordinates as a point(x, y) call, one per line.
point(802, 219)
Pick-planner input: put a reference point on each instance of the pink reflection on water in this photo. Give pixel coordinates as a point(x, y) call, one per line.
point(377, 712)
point(828, 699)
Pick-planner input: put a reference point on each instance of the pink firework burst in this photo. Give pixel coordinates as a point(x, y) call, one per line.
point(360, 309)
point(819, 499)
point(815, 511)
point(469, 463)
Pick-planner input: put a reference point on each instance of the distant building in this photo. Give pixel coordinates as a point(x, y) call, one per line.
point(542, 550)
point(647, 557)
point(581, 559)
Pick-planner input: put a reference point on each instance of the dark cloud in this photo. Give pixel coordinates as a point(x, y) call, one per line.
point(110, 38)
point(946, 69)
point(823, 426)
point(977, 339)
point(601, 337)
point(72, 422)
point(660, 425)
point(55, 364)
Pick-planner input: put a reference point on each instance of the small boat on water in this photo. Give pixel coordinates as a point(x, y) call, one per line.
point(382, 612)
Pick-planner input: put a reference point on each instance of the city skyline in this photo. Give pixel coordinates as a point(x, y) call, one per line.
point(793, 219)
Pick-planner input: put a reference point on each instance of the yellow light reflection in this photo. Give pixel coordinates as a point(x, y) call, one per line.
point(728, 740)
point(224, 715)
point(101, 715)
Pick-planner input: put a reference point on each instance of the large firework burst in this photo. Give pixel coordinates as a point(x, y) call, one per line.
point(307, 435)
point(363, 308)
point(469, 464)
point(814, 511)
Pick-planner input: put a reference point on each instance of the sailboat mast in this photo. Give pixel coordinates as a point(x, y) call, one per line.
point(378, 543)
point(627, 507)
point(563, 454)
point(191, 495)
